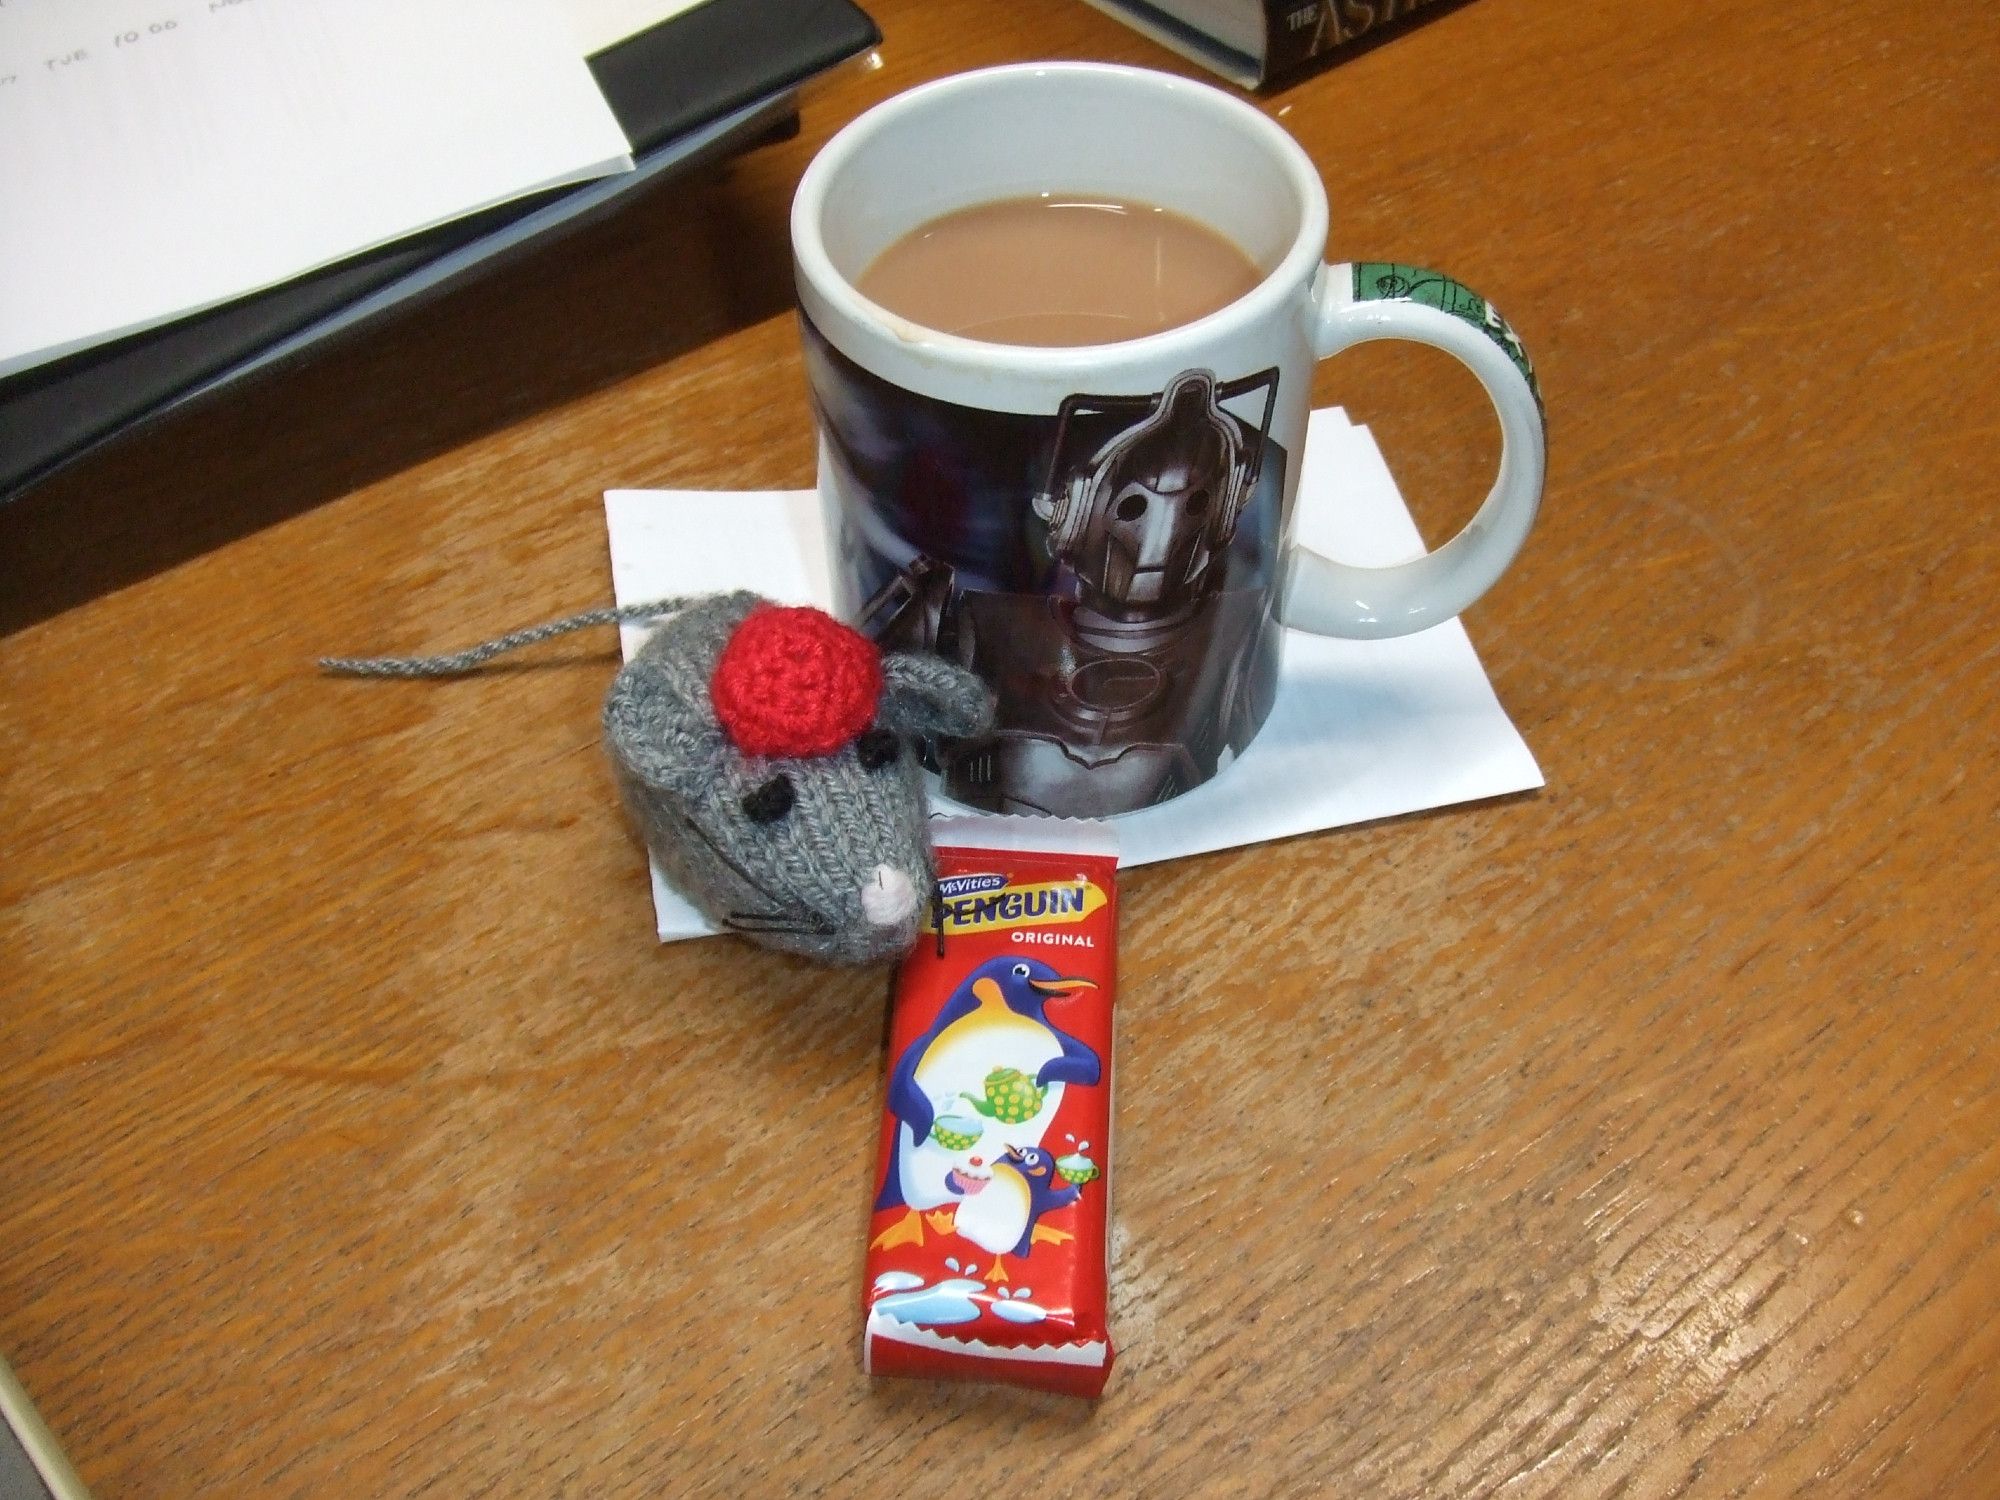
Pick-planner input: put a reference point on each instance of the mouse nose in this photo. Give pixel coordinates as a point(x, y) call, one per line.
point(888, 898)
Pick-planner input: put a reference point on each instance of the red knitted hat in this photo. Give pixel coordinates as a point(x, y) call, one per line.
point(795, 682)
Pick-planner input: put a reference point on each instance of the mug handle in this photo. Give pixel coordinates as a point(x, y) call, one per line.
point(1368, 300)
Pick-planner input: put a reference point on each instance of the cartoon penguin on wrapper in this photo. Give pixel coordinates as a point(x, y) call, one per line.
point(971, 1099)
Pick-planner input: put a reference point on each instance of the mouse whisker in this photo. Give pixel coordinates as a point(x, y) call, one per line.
point(806, 924)
point(761, 921)
point(816, 924)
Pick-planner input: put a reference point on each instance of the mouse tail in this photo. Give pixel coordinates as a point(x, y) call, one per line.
point(457, 663)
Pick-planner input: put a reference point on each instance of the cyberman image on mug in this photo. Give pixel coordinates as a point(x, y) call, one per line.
point(1109, 570)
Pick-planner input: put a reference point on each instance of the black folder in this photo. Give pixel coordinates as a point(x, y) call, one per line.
point(708, 82)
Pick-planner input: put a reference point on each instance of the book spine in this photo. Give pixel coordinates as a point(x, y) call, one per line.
point(1298, 32)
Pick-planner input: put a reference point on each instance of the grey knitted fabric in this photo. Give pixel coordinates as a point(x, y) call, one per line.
point(801, 881)
point(834, 864)
point(457, 663)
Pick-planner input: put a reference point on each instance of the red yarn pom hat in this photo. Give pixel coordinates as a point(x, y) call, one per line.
point(795, 682)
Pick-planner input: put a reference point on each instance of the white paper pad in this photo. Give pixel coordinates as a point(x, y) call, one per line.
point(163, 156)
point(597, 24)
point(1361, 729)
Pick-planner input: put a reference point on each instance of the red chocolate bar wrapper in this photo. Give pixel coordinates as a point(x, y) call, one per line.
point(987, 1247)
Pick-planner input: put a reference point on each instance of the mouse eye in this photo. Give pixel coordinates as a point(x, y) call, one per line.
point(1022, 971)
point(769, 802)
point(877, 748)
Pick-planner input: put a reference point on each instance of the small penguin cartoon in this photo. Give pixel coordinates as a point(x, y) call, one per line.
point(1000, 1216)
point(992, 1040)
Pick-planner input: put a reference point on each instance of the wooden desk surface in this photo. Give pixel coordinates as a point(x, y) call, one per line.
point(1636, 1137)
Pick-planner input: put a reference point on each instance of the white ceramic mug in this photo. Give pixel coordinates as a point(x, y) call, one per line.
point(987, 499)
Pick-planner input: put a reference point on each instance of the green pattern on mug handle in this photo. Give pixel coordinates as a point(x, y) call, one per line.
point(1384, 281)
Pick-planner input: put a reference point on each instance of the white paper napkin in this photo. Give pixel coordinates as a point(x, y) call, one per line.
point(1361, 729)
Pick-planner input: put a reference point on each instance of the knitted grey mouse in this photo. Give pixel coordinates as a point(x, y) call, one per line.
point(766, 754)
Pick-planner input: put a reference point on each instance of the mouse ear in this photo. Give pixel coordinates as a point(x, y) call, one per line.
point(659, 725)
point(927, 695)
point(658, 735)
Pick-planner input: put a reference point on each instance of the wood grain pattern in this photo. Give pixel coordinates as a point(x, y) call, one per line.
point(1637, 1137)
